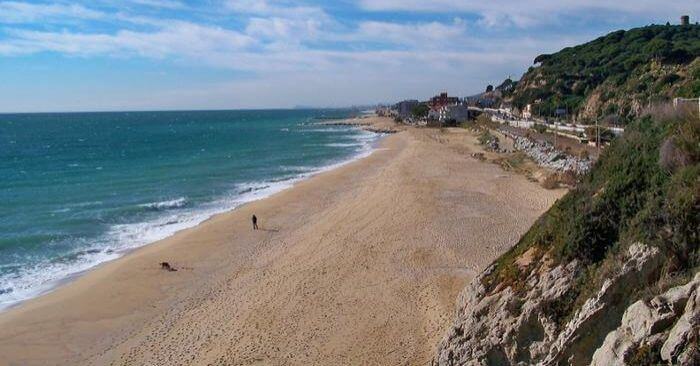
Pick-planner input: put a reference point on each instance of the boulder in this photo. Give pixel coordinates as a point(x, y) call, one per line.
point(681, 346)
point(599, 314)
point(503, 327)
point(648, 323)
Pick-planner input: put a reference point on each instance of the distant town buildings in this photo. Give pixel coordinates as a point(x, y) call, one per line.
point(448, 110)
point(458, 113)
point(434, 114)
point(442, 100)
point(383, 111)
point(405, 108)
point(443, 110)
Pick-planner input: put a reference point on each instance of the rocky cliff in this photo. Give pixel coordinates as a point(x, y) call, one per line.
point(504, 327)
point(609, 275)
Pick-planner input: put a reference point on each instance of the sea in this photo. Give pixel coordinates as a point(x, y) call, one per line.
point(80, 189)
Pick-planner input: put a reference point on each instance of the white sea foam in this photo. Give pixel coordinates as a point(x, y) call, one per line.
point(175, 216)
point(44, 276)
point(162, 205)
point(344, 144)
point(335, 129)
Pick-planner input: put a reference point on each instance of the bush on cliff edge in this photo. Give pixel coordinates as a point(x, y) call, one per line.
point(636, 192)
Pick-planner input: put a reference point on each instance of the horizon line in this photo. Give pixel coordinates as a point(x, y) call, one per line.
point(188, 110)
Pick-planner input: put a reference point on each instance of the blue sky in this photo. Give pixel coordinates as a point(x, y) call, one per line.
point(221, 54)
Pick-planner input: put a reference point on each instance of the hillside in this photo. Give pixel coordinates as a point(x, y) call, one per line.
point(615, 76)
point(609, 275)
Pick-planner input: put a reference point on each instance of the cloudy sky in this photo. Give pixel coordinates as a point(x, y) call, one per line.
point(221, 54)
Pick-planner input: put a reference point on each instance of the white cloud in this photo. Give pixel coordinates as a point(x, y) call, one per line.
point(20, 12)
point(535, 12)
point(249, 6)
point(279, 29)
point(281, 23)
point(282, 69)
point(423, 35)
point(176, 39)
point(298, 54)
point(165, 4)
point(274, 8)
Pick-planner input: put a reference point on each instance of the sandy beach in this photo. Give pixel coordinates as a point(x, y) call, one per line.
point(360, 265)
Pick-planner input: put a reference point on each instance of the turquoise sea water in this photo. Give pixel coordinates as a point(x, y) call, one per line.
point(78, 189)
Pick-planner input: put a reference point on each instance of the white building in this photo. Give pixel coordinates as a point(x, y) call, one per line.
point(459, 113)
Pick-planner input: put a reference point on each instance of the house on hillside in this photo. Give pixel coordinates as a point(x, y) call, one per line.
point(442, 100)
point(434, 114)
point(451, 115)
point(458, 114)
point(439, 108)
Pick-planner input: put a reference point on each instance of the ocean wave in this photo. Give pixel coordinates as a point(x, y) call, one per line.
point(334, 129)
point(61, 210)
point(364, 136)
point(344, 144)
point(45, 275)
point(86, 204)
point(298, 168)
point(164, 205)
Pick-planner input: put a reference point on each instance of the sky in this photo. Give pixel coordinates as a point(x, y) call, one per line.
point(104, 55)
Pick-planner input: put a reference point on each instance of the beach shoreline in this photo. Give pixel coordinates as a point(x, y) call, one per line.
point(351, 265)
point(285, 184)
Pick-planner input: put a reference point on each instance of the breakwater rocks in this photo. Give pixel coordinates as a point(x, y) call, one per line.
point(367, 126)
point(545, 155)
point(505, 326)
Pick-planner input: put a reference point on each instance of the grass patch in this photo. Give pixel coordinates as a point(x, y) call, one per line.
point(513, 161)
point(485, 137)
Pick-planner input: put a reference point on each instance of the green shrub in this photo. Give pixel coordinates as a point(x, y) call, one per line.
point(622, 66)
point(627, 197)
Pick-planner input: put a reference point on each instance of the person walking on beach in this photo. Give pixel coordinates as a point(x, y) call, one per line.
point(255, 223)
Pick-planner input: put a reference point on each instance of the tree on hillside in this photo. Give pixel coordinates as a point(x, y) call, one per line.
point(420, 110)
point(542, 58)
point(659, 48)
point(625, 68)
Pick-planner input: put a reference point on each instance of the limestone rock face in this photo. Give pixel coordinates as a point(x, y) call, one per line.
point(506, 327)
point(599, 314)
point(652, 323)
point(682, 345)
point(503, 328)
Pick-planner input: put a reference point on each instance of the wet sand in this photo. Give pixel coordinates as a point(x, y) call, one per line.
point(359, 265)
